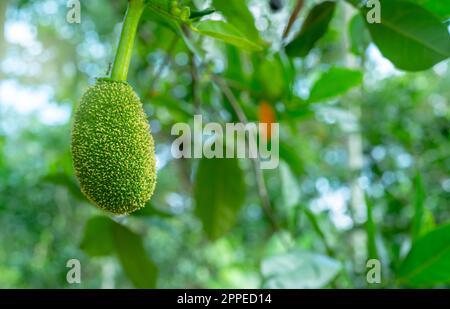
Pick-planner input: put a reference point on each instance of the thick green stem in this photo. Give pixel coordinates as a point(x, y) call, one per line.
point(127, 36)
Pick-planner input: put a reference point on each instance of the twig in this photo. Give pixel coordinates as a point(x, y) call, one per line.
point(231, 98)
point(298, 7)
point(261, 184)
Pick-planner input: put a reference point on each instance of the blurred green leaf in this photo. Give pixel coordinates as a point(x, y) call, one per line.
point(428, 262)
point(299, 270)
point(410, 36)
point(419, 205)
point(316, 227)
point(97, 238)
point(335, 82)
point(428, 222)
point(372, 252)
point(152, 211)
point(288, 154)
point(290, 187)
point(103, 236)
point(235, 67)
point(158, 11)
point(314, 27)
point(226, 32)
point(238, 14)
point(359, 35)
point(131, 252)
point(66, 181)
point(202, 13)
point(268, 78)
point(219, 194)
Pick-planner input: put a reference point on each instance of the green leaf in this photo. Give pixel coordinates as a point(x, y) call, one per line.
point(103, 237)
point(238, 14)
point(152, 211)
point(355, 3)
point(219, 194)
point(410, 36)
point(202, 13)
point(428, 222)
point(141, 271)
point(235, 66)
point(438, 7)
point(158, 11)
point(372, 252)
point(97, 238)
point(226, 32)
point(299, 270)
point(419, 205)
point(290, 187)
point(268, 79)
point(428, 262)
point(335, 82)
point(290, 155)
point(314, 27)
point(62, 179)
point(359, 36)
point(316, 227)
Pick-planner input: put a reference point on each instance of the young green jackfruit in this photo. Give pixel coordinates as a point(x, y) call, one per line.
point(112, 148)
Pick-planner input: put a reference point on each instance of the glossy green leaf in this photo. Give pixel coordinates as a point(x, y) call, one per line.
point(410, 36)
point(438, 7)
point(141, 271)
point(202, 13)
point(219, 194)
point(225, 32)
point(428, 262)
point(314, 27)
point(299, 270)
point(335, 82)
point(98, 239)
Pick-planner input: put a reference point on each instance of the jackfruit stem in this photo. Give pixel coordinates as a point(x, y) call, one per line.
point(126, 42)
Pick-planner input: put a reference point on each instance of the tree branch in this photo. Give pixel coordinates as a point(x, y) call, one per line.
point(262, 189)
point(298, 7)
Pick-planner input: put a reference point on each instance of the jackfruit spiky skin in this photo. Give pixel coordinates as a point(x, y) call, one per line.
point(112, 148)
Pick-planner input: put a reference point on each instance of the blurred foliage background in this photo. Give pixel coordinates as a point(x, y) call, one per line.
point(364, 150)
